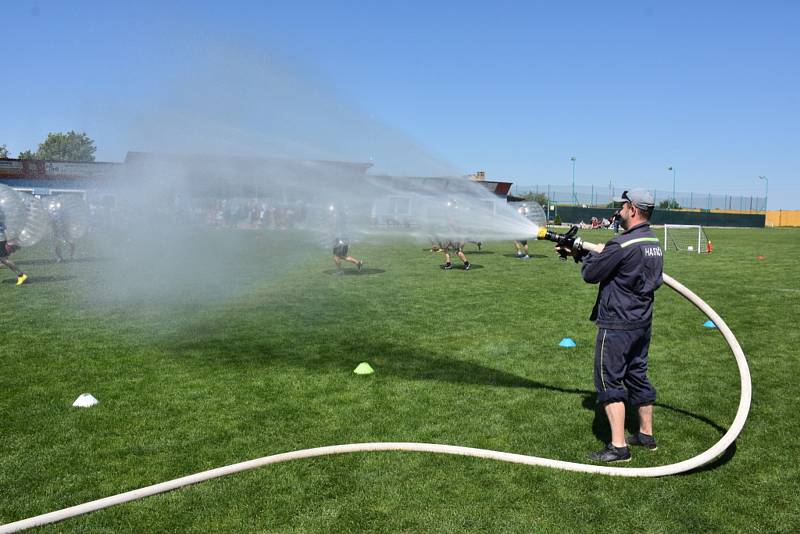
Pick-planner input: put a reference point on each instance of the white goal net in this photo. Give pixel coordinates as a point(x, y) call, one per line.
point(685, 238)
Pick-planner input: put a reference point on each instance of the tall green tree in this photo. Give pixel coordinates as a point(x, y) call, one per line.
point(3, 151)
point(70, 146)
point(27, 154)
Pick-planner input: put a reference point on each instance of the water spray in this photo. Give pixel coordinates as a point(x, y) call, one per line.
point(568, 240)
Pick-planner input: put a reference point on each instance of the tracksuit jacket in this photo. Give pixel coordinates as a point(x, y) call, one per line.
point(629, 270)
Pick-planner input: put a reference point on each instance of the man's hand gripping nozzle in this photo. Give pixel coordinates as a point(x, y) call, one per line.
point(567, 244)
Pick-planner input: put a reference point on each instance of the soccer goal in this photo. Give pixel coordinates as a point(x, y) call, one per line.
point(685, 238)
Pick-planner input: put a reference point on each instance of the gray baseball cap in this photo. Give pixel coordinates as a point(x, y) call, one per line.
point(641, 198)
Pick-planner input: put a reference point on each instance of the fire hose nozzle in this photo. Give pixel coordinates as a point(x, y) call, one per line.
point(568, 240)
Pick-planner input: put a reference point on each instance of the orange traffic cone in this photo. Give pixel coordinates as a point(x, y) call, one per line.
point(709, 247)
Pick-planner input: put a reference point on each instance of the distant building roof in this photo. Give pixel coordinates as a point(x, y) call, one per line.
point(56, 170)
point(500, 189)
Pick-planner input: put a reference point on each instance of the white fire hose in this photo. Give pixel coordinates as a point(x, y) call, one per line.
point(660, 471)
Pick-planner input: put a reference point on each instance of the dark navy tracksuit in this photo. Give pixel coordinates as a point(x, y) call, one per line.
point(629, 270)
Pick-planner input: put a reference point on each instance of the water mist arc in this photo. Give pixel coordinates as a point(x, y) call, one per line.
point(681, 467)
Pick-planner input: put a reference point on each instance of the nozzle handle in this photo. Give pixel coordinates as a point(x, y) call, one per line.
point(569, 240)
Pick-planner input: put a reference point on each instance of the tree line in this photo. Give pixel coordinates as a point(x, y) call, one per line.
point(59, 146)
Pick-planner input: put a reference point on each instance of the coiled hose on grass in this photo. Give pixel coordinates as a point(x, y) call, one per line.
point(660, 471)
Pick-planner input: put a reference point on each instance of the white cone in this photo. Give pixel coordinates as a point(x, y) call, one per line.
point(85, 400)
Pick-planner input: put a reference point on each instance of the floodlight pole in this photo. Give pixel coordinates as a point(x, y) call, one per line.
point(766, 190)
point(671, 168)
point(574, 198)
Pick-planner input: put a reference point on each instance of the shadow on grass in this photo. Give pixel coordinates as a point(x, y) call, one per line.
point(602, 431)
point(457, 267)
point(40, 279)
point(353, 272)
point(467, 252)
point(532, 256)
point(420, 367)
point(723, 459)
point(411, 364)
point(53, 261)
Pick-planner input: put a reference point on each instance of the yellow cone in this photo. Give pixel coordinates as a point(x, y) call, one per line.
point(364, 369)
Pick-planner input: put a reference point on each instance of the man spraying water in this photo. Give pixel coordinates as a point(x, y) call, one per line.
point(629, 269)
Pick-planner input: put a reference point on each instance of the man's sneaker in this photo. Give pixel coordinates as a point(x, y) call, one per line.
point(359, 265)
point(642, 440)
point(447, 265)
point(526, 257)
point(467, 266)
point(611, 454)
point(21, 279)
point(520, 254)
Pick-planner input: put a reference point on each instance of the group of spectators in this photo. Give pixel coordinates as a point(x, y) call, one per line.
point(604, 223)
point(250, 214)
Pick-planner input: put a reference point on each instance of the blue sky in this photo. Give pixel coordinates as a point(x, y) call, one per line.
point(513, 88)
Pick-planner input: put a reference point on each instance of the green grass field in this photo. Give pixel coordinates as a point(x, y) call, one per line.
point(463, 358)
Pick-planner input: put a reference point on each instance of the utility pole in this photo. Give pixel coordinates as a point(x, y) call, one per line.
point(766, 190)
point(671, 168)
point(574, 198)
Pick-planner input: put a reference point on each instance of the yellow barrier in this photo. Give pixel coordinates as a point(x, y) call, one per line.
point(783, 218)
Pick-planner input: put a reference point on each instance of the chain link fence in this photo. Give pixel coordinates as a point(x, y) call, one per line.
point(590, 196)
